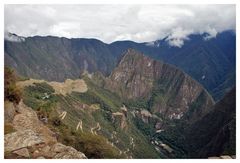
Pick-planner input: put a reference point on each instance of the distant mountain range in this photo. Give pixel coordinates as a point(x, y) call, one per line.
point(211, 62)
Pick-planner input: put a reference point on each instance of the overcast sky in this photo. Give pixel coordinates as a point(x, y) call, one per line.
point(140, 23)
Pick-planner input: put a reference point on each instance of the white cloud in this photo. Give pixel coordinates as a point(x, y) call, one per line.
point(178, 36)
point(13, 38)
point(211, 33)
point(140, 23)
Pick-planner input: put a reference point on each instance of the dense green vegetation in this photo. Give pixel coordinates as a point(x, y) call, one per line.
point(40, 97)
point(93, 146)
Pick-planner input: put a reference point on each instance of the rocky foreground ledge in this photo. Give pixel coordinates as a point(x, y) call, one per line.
point(32, 139)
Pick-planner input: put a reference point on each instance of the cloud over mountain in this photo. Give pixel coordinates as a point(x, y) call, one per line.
point(140, 23)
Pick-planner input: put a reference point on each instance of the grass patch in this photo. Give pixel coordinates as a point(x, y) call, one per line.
point(8, 128)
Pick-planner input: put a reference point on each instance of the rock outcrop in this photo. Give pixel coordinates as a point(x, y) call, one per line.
point(27, 119)
point(119, 119)
point(32, 139)
point(21, 139)
point(223, 157)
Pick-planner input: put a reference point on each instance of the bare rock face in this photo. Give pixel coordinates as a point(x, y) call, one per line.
point(223, 157)
point(56, 151)
point(66, 152)
point(21, 139)
point(9, 111)
point(119, 119)
point(22, 152)
point(145, 115)
point(27, 119)
point(132, 78)
point(170, 91)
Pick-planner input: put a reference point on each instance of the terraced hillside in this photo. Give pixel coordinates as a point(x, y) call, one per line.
point(94, 119)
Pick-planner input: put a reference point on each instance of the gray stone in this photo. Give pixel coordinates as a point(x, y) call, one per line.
point(40, 157)
point(9, 111)
point(225, 157)
point(22, 152)
point(21, 139)
point(66, 152)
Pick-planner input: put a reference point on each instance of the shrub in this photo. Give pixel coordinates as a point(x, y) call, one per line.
point(93, 146)
point(11, 92)
point(96, 146)
point(8, 128)
point(55, 121)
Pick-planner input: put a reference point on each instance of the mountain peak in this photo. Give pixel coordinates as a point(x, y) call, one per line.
point(133, 52)
point(132, 57)
point(138, 76)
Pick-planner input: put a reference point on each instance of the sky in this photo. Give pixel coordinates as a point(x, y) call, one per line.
point(109, 23)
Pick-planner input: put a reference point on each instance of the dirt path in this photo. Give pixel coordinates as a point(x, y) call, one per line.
point(63, 115)
point(95, 129)
point(79, 125)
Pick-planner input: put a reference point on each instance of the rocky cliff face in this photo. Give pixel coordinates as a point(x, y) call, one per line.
point(133, 77)
point(168, 90)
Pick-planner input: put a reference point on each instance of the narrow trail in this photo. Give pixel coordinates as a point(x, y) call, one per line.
point(132, 142)
point(95, 129)
point(63, 115)
point(79, 125)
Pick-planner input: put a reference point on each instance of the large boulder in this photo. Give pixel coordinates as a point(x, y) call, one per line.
point(28, 119)
point(9, 111)
point(66, 152)
point(21, 139)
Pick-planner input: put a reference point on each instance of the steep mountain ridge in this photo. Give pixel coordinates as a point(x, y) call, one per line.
point(57, 59)
point(213, 135)
point(166, 89)
point(211, 62)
